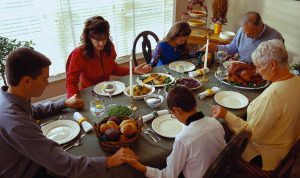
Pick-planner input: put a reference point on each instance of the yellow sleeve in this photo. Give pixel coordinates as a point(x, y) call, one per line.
point(263, 115)
point(235, 123)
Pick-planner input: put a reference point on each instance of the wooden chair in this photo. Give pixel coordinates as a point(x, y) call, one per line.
point(146, 46)
point(283, 170)
point(231, 153)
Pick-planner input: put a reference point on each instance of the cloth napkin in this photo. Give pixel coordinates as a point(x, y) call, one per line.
point(198, 72)
point(154, 114)
point(209, 92)
point(83, 122)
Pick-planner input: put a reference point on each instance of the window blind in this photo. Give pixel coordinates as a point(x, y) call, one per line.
point(55, 26)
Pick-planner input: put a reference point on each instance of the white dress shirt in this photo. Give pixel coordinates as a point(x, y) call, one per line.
point(194, 149)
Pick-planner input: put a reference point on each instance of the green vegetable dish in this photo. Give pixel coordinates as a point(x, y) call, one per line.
point(119, 111)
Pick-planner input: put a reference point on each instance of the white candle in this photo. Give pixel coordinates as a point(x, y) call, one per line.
point(130, 78)
point(206, 53)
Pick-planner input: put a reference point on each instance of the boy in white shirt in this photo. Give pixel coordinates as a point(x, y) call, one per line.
point(195, 147)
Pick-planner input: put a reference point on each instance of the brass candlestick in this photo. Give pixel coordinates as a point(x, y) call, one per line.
point(131, 105)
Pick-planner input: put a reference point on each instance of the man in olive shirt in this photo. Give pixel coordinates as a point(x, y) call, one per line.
point(24, 150)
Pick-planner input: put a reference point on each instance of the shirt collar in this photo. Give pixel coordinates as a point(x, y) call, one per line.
point(264, 29)
point(194, 117)
point(22, 103)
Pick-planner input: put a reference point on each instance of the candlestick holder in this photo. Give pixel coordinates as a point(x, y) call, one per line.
point(204, 78)
point(131, 105)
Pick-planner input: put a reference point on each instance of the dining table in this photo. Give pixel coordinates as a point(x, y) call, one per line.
point(150, 153)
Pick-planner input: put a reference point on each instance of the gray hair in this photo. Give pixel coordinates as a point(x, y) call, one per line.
point(257, 21)
point(270, 50)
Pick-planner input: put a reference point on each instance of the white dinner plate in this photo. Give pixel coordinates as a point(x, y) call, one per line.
point(167, 126)
point(162, 85)
point(187, 66)
point(120, 87)
point(61, 131)
point(126, 92)
point(231, 99)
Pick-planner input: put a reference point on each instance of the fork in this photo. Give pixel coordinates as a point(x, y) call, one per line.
point(167, 72)
point(148, 133)
point(149, 129)
point(45, 123)
point(77, 143)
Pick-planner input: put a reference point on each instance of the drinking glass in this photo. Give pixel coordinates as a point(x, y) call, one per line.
point(110, 88)
point(221, 56)
point(97, 107)
point(221, 74)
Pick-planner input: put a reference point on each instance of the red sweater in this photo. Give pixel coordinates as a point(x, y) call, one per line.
point(88, 72)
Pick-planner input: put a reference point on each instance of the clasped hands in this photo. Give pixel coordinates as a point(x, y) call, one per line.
point(125, 155)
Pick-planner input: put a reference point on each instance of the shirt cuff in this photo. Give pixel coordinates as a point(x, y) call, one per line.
point(150, 172)
point(60, 104)
point(229, 118)
point(100, 163)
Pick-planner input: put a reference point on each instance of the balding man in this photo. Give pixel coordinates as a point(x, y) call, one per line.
point(251, 33)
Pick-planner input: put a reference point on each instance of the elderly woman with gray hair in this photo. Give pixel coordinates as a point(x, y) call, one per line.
point(273, 118)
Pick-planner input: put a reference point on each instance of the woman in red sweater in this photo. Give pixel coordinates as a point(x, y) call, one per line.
point(94, 61)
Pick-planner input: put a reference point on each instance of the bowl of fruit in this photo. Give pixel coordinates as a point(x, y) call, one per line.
point(115, 132)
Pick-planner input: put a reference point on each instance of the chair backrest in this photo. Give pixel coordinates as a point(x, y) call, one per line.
point(286, 165)
point(233, 150)
point(146, 46)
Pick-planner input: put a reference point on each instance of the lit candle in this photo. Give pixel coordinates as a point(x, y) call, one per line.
point(130, 77)
point(206, 53)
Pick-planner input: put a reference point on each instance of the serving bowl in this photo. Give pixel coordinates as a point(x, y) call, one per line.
point(154, 100)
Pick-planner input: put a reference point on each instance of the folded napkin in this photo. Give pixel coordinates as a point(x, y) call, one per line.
point(198, 72)
point(209, 92)
point(83, 122)
point(154, 114)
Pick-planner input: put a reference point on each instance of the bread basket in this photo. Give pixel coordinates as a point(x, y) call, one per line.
point(113, 146)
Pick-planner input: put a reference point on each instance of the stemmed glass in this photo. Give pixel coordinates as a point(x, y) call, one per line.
point(180, 70)
point(110, 88)
point(221, 74)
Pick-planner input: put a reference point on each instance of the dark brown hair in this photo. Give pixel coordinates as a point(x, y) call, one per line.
point(182, 97)
point(95, 26)
point(179, 29)
point(24, 62)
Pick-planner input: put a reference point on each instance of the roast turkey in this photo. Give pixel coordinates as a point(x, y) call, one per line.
point(244, 74)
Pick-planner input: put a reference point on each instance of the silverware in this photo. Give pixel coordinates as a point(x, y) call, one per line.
point(167, 72)
point(77, 143)
point(45, 123)
point(148, 133)
point(149, 129)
